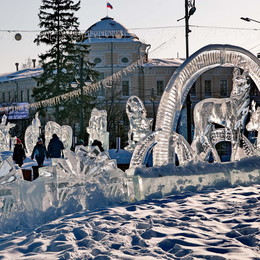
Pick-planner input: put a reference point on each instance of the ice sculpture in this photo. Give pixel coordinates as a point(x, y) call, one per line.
point(175, 94)
point(97, 128)
point(229, 113)
point(254, 124)
point(64, 133)
point(7, 170)
point(32, 133)
point(6, 141)
point(86, 179)
point(140, 126)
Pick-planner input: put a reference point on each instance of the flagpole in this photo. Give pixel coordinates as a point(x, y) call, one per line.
point(107, 9)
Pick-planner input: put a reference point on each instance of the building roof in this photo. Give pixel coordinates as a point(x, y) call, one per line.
point(107, 29)
point(170, 62)
point(21, 74)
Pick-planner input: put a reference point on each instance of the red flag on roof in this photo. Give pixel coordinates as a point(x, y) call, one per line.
point(109, 5)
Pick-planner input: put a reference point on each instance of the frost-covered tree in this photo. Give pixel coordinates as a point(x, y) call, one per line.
point(61, 62)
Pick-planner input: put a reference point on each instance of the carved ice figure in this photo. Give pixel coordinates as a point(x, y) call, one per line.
point(7, 170)
point(229, 113)
point(6, 141)
point(97, 128)
point(64, 133)
point(254, 123)
point(140, 126)
point(32, 133)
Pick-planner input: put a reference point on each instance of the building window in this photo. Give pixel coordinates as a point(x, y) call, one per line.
point(193, 90)
point(28, 95)
point(21, 95)
point(97, 60)
point(208, 88)
point(9, 97)
point(125, 88)
point(3, 97)
point(223, 88)
point(124, 60)
point(159, 87)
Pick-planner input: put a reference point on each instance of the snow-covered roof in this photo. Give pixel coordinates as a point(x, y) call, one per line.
point(21, 74)
point(169, 62)
point(107, 29)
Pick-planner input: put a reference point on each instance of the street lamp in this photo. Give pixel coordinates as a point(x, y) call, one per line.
point(249, 19)
point(152, 99)
point(189, 11)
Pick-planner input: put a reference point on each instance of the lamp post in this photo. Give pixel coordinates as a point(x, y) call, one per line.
point(189, 11)
point(152, 99)
point(81, 84)
point(249, 19)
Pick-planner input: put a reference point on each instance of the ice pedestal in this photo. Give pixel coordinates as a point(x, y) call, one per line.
point(169, 179)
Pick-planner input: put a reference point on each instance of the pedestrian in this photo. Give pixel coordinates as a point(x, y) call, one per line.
point(55, 147)
point(39, 152)
point(19, 153)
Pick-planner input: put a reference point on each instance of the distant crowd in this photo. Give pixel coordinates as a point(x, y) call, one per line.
point(40, 153)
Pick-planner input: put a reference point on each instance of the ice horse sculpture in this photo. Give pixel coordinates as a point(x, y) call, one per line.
point(97, 128)
point(254, 124)
point(6, 142)
point(64, 133)
point(140, 126)
point(230, 114)
point(32, 133)
point(165, 140)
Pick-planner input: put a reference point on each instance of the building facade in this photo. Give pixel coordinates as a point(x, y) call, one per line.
point(113, 48)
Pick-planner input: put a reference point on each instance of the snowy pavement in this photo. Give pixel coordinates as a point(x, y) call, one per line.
point(213, 224)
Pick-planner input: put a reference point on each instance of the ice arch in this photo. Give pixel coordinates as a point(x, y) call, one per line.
point(176, 91)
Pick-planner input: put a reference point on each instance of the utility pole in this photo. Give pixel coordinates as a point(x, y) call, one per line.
point(187, 29)
point(188, 101)
point(189, 10)
point(81, 83)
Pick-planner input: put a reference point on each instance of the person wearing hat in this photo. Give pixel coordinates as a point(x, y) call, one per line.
point(19, 153)
point(39, 152)
point(55, 147)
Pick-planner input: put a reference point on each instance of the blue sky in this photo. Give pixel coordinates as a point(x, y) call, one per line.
point(142, 17)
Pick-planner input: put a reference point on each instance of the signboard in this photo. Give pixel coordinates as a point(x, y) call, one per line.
point(21, 113)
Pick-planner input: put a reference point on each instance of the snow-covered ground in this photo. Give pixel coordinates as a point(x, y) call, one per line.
point(213, 224)
point(81, 207)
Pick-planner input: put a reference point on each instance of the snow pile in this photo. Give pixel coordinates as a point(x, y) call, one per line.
point(88, 179)
point(213, 224)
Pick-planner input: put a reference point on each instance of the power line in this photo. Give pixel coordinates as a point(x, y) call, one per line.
point(153, 28)
point(195, 26)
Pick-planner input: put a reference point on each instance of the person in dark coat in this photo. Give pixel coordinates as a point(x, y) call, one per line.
point(55, 147)
point(39, 152)
point(19, 153)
